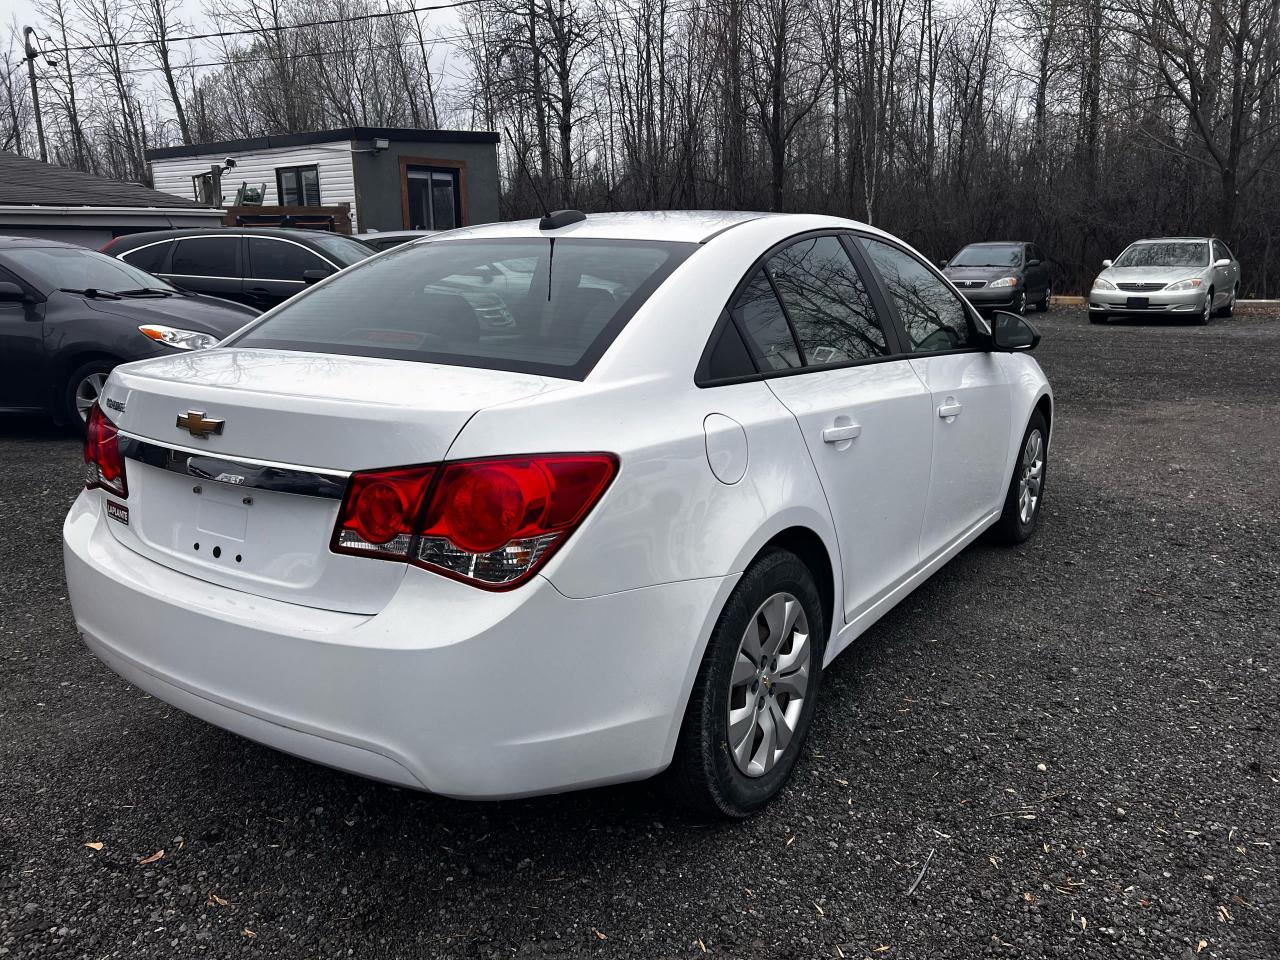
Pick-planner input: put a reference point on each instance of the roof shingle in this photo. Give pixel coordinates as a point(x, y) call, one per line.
point(27, 182)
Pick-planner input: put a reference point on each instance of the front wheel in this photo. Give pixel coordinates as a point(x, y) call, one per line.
point(1043, 305)
point(1025, 495)
point(754, 695)
point(1020, 302)
point(1097, 317)
point(1206, 312)
point(1230, 308)
point(83, 388)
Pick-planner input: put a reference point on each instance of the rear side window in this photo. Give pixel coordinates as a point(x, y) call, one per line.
point(149, 258)
point(833, 315)
point(932, 316)
point(759, 315)
point(536, 305)
point(205, 257)
point(277, 260)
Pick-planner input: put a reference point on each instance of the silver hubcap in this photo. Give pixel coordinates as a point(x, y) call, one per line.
point(1021, 304)
point(1208, 305)
point(87, 392)
point(770, 680)
point(1030, 477)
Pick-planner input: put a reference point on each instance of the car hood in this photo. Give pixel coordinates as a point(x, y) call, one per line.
point(1150, 274)
point(210, 315)
point(981, 273)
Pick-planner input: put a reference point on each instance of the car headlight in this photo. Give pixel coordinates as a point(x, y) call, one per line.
point(1004, 282)
point(1100, 284)
point(177, 338)
point(1192, 283)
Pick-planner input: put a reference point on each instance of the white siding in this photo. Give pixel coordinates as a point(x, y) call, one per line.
point(258, 167)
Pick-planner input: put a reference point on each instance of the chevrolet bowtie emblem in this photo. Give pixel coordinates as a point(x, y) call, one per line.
point(193, 422)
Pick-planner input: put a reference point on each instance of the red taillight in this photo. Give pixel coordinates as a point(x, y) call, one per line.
point(103, 465)
point(491, 522)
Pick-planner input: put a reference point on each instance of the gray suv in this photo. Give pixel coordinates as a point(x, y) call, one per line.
point(1007, 275)
point(1194, 277)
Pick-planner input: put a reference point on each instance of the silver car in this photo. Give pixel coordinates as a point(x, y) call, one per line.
point(1197, 277)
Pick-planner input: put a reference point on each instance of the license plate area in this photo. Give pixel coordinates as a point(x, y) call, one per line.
point(1138, 303)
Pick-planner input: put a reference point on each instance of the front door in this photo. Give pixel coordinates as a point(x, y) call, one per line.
point(862, 410)
point(968, 391)
point(22, 366)
point(434, 198)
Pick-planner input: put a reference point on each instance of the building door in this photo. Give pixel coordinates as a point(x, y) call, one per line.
point(434, 198)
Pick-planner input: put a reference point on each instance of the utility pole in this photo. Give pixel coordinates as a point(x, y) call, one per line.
point(28, 41)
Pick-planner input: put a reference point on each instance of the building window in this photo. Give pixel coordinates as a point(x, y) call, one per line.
point(298, 186)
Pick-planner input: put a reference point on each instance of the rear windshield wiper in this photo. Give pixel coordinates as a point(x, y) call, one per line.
point(92, 293)
point(145, 292)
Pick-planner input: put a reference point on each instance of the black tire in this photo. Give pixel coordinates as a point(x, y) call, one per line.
point(1098, 317)
point(1043, 305)
point(703, 775)
point(1011, 528)
point(1207, 314)
point(1020, 305)
point(69, 411)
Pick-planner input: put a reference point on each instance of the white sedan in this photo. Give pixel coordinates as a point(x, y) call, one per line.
point(619, 536)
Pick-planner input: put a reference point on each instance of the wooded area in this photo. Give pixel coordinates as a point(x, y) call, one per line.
point(1079, 124)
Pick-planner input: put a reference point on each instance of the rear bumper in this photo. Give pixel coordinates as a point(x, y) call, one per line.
point(447, 689)
point(1159, 301)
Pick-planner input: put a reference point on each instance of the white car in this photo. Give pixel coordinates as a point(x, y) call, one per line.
point(622, 536)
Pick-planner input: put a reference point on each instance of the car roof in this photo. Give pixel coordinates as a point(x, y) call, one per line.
point(1166, 239)
point(291, 233)
point(19, 243)
point(689, 226)
point(998, 243)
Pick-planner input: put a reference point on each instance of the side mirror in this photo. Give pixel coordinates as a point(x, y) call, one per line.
point(1105, 264)
point(1222, 263)
point(1033, 263)
point(1012, 332)
point(943, 263)
point(10, 292)
point(312, 277)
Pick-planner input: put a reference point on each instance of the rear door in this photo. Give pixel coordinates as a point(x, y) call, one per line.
point(209, 265)
point(862, 410)
point(275, 268)
point(151, 257)
point(968, 390)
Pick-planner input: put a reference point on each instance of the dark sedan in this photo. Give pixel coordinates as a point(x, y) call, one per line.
point(68, 315)
point(1007, 275)
point(260, 266)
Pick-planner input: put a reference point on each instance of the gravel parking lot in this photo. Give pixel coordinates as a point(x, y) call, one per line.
point(1078, 740)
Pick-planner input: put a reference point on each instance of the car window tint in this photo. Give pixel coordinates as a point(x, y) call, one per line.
point(728, 356)
point(932, 316)
point(276, 260)
point(149, 258)
point(760, 317)
point(827, 302)
point(531, 304)
point(205, 257)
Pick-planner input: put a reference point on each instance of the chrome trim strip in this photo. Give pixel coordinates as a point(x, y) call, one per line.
point(236, 471)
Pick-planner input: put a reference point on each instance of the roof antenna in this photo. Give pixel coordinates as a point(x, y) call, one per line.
point(525, 167)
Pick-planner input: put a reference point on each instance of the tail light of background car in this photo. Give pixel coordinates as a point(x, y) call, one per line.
point(491, 523)
point(103, 464)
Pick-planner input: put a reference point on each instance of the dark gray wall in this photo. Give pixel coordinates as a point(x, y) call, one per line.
point(378, 199)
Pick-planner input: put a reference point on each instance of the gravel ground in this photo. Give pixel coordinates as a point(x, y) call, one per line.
point(1080, 740)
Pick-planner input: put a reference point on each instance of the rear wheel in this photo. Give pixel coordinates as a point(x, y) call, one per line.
point(83, 388)
point(1025, 495)
point(754, 695)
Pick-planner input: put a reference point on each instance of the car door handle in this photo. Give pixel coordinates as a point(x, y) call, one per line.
point(950, 409)
point(840, 434)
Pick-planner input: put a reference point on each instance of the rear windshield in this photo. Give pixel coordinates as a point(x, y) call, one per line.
point(531, 305)
point(1165, 253)
point(989, 255)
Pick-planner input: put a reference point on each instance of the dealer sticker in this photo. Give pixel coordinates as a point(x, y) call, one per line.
point(118, 511)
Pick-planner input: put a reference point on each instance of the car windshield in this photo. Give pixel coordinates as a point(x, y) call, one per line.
point(535, 305)
point(989, 255)
point(343, 249)
point(1165, 253)
point(69, 268)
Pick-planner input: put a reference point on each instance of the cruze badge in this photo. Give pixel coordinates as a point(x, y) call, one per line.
point(194, 422)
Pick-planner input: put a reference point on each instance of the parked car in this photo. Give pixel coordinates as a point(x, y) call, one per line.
point(386, 239)
point(1195, 277)
point(260, 266)
point(620, 536)
point(68, 315)
point(1004, 275)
